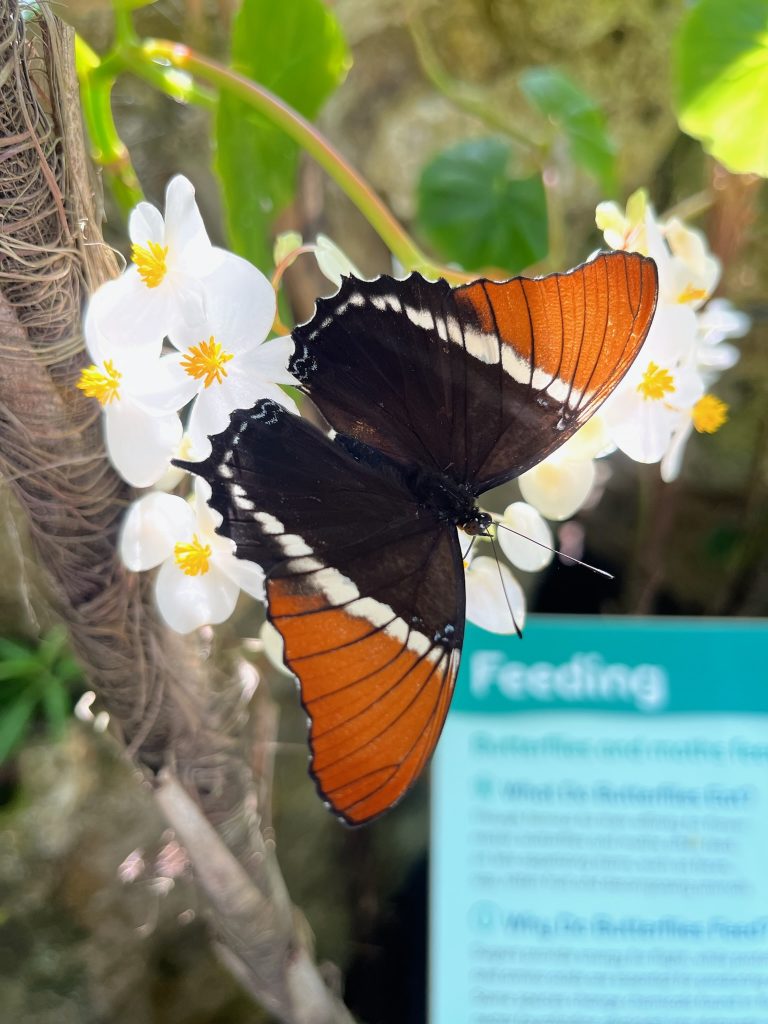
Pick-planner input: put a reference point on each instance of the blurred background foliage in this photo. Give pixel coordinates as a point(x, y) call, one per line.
point(491, 128)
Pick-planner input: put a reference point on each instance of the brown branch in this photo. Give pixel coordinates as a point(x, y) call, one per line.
point(164, 706)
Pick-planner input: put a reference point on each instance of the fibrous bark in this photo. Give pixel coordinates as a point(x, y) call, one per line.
point(52, 456)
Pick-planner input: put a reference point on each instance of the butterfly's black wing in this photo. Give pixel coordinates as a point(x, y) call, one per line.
point(479, 382)
point(366, 588)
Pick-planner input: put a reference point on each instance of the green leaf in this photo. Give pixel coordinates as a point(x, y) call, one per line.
point(476, 214)
point(19, 668)
point(55, 700)
point(721, 81)
point(14, 722)
point(295, 49)
point(11, 649)
point(579, 117)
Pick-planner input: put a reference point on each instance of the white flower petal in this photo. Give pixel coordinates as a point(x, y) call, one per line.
point(645, 435)
point(716, 359)
point(558, 489)
point(240, 304)
point(208, 519)
point(720, 319)
point(589, 442)
point(273, 647)
point(140, 445)
point(526, 522)
point(269, 361)
point(248, 576)
point(130, 315)
point(235, 304)
point(672, 461)
point(124, 317)
point(334, 264)
point(167, 388)
point(153, 526)
point(145, 224)
point(671, 339)
point(209, 415)
point(189, 246)
point(487, 605)
point(188, 602)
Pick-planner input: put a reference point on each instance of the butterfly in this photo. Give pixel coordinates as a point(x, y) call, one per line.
point(434, 395)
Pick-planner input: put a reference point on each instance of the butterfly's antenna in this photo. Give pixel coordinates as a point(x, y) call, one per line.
point(503, 588)
point(561, 554)
point(465, 554)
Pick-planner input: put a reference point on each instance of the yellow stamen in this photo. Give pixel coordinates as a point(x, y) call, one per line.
point(151, 262)
point(101, 383)
point(207, 360)
point(656, 382)
point(709, 414)
point(192, 558)
point(691, 294)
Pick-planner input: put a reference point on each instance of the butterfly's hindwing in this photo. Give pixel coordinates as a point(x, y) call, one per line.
point(366, 588)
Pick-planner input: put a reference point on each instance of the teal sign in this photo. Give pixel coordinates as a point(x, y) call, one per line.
point(600, 827)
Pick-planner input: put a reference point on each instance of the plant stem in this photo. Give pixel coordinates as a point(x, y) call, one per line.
point(398, 241)
point(472, 100)
point(107, 148)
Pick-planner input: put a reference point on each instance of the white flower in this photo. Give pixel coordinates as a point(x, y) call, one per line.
point(688, 272)
point(706, 416)
point(558, 487)
point(171, 258)
point(625, 230)
point(644, 411)
point(141, 429)
point(200, 577)
point(520, 522)
point(223, 361)
point(716, 322)
point(491, 605)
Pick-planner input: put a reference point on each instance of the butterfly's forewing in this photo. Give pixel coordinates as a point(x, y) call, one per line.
point(366, 588)
point(481, 382)
point(565, 342)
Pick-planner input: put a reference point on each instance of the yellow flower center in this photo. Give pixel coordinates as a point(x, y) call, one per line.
point(101, 383)
point(691, 294)
point(151, 262)
point(656, 382)
point(207, 360)
point(709, 414)
point(192, 558)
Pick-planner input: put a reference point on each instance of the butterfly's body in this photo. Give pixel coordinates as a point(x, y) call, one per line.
point(435, 396)
point(453, 501)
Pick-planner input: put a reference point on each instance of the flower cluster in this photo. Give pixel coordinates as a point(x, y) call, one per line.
point(665, 395)
point(178, 342)
point(181, 340)
point(650, 417)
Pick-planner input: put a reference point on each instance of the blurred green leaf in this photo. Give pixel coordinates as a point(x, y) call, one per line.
point(14, 722)
point(11, 649)
point(56, 703)
point(477, 214)
point(721, 72)
point(32, 678)
point(297, 51)
point(19, 668)
point(579, 117)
